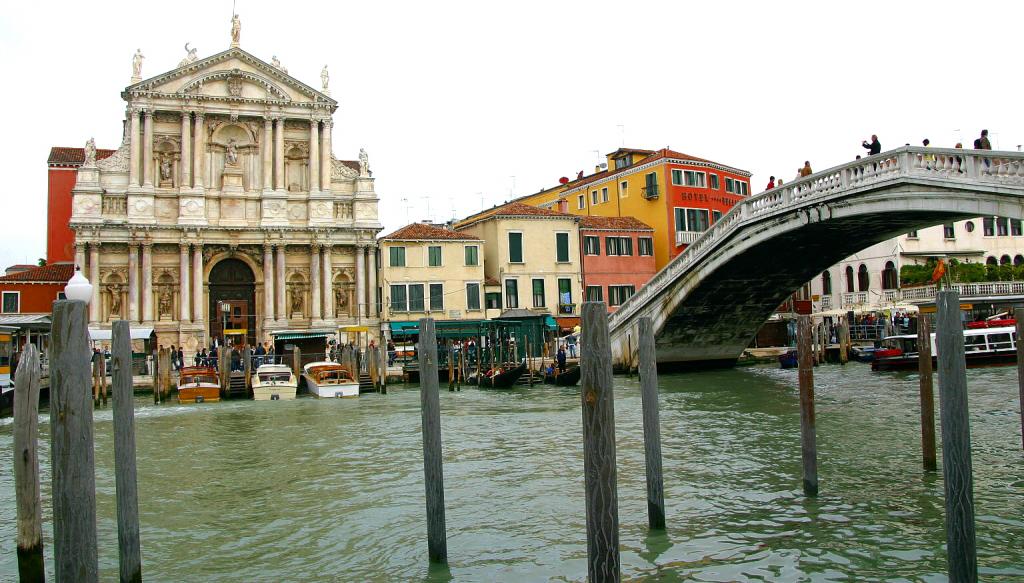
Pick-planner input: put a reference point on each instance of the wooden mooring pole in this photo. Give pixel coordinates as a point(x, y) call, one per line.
point(129, 551)
point(648, 372)
point(433, 470)
point(26, 468)
point(598, 405)
point(957, 473)
point(924, 367)
point(808, 432)
point(1020, 372)
point(844, 342)
point(71, 451)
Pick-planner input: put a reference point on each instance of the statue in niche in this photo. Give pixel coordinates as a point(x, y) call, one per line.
point(231, 153)
point(165, 303)
point(115, 301)
point(90, 153)
point(340, 300)
point(236, 29)
point(165, 168)
point(324, 78)
point(296, 301)
point(364, 163)
point(137, 64)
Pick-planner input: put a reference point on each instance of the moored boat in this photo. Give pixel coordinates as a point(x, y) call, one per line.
point(788, 359)
point(982, 347)
point(503, 377)
point(198, 384)
point(567, 378)
point(329, 380)
point(273, 382)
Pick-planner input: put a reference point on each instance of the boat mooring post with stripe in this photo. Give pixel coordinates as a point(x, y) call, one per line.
point(957, 473)
point(648, 372)
point(433, 471)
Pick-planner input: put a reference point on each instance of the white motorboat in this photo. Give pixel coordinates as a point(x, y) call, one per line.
point(273, 382)
point(329, 380)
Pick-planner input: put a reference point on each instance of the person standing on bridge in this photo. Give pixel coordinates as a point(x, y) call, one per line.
point(771, 183)
point(982, 142)
point(806, 170)
point(874, 147)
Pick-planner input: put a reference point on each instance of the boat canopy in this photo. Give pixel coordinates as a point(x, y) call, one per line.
point(135, 333)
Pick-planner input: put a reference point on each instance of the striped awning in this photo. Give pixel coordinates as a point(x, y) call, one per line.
point(298, 335)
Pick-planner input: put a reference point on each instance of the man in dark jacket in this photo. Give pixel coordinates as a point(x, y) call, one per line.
point(561, 358)
point(874, 147)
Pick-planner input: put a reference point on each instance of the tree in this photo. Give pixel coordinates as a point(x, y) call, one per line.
point(41, 262)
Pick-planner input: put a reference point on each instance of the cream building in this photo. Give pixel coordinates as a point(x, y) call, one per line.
point(533, 253)
point(224, 208)
point(431, 272)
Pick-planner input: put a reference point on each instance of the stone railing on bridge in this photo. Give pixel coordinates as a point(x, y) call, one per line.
point(947, 164)
point(982, 289)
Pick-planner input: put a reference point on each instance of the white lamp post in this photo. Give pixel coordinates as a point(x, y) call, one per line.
point(78, 288)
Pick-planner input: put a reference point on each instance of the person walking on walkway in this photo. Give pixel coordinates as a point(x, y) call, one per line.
point(571, 341)
point(560, 357)
point(181, 357)
point(874, 147)
point(806, 170)
point(771, 183)
point(982, 142)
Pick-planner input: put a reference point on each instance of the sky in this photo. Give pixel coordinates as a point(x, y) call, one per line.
point(463, 105)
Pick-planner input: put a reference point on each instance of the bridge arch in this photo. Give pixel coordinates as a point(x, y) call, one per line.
point(709, 301)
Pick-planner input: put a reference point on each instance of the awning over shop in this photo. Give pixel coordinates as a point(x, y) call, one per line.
point(405, 327)
point(134, 333)
point(295, 335)
point(35, 322)
point(354, 329)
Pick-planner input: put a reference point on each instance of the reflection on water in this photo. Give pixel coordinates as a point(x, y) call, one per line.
point(332, 489)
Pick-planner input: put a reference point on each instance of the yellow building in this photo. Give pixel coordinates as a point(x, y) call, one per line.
point(533, 254)
point(428, 271)
point(678, 195)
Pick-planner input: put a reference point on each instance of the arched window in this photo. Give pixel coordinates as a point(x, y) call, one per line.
point(862, 278)
point(889, 279)
point(1018, 259)
point(991, 261)
point(826, 283)
point(1004, 260)
point(849, 279)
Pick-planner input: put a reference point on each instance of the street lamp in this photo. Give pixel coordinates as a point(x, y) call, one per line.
point(78, 288)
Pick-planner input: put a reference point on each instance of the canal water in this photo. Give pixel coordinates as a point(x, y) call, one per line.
point(332, 490)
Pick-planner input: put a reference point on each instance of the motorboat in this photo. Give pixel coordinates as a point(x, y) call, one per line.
point(329, 380)
point(198, 384)
point(982, 347)
point(273, 382)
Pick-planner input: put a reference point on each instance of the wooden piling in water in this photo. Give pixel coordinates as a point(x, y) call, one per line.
point(844, 342)
point(26, 468)
point(71, 451)
point(648, 373)
point(223, 368)
point(433, 470)
point(598, 406)
point(103, 380)
point(96, 358)
point(924, 367)
point(957, 473)
point(125, 474)
point(383, 348)
point(808, 432)
point(1020, 372)
point(165, 373)
point(451, 364)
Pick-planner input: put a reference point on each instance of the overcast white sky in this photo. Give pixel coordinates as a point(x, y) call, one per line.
point(451, 100)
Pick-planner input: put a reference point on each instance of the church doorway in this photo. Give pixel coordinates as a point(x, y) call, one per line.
point(232, 306)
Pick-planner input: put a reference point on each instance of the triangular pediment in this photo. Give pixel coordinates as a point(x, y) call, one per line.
point(232, 75)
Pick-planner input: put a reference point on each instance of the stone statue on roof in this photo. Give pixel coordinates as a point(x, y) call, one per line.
point(236, 29)
point(90, 154)
point(137, 65)
point(364, 163)
point(324, 79)
point(190, 56)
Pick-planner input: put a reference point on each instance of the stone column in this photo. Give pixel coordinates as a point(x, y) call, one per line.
point(186, 150)
point(360, 283)
point(198, 304)
point(328, 294)
point(325, 157)
point(371, 278)
point(282, 313)
point(279, 154)
point(315, 279)
point(147, 282)
point(268, 281)
point(186, 311)
point(80, 256)
point(133, 164)
point(199, 156)
point(268, 153)
point(133, 282)
point(314, 155)
point(94, 279)
point(147, 149)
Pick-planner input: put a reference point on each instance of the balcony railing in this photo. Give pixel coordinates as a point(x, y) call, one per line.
point(115, 205)
point(650, 191)
point(567, 309)
point(826, 302)
point(687, 237)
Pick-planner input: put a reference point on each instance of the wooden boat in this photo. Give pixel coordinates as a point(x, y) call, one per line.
point(329, 380)
point(503, 378)
point(198, 384)
point(273, 382)
point(863, 353)
point(982, 347)
point(788, 359)
point(568, 378)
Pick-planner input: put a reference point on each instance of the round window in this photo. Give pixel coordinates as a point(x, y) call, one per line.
point(969, 225)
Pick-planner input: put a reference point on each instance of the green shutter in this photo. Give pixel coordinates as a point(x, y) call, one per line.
point(515, 247)
point(562, 247)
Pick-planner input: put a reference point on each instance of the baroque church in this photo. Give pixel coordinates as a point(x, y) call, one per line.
point(224, 214)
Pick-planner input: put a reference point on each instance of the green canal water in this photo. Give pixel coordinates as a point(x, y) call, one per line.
point(333, 490)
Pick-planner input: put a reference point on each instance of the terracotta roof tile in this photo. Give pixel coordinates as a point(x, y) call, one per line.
point(513, 209)
point(60, 156)
point(425, 232)
point(657, 155)
point(614, 223)
point(54, 273)
point(353, 164)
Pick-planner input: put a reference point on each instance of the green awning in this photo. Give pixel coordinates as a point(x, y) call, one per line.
point(298, 335)
point(405, 327)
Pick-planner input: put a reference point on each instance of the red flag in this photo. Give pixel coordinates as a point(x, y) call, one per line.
point(939, 271)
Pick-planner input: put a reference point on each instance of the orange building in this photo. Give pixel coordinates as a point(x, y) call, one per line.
point(677, 195)
point(62, 166)
point(33, 291)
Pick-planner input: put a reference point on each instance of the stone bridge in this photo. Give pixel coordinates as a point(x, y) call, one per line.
point(708, 303)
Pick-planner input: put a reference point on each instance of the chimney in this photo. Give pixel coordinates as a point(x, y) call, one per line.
point(563, 206)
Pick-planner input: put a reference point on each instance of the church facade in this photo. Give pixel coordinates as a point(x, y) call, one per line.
point(223, 213)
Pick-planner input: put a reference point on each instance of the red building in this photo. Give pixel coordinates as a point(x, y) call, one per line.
point(33, 291)
point(63, 165)
point(617, 258)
